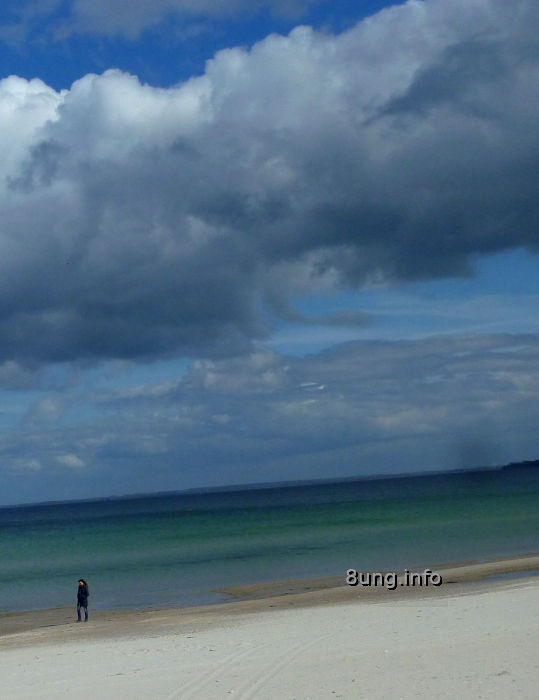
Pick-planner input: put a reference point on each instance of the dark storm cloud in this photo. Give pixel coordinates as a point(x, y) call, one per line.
point(141, 222)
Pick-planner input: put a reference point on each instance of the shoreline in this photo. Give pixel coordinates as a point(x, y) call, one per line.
point(451, 572)
point(57, 625)
point(474, 637)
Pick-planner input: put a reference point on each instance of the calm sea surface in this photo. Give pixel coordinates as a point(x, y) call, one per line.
point(177, 549)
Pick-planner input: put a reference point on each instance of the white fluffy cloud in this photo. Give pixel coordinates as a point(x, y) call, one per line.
point(70, 460)
point(140, 222)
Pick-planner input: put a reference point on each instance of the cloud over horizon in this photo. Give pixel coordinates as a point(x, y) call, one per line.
point(142, 222)
point(365, 407)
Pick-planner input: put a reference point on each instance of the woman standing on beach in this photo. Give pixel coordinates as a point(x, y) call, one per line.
point(82, 599)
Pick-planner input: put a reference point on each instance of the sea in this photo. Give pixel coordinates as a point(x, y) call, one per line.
point(181, 549)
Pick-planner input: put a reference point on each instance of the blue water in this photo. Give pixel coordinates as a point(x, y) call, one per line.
point(177, 549)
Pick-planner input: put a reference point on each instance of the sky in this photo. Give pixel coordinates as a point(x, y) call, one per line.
point(265, 240)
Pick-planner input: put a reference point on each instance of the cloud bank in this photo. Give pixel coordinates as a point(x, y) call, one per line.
point(359, 408)
point(139, 222)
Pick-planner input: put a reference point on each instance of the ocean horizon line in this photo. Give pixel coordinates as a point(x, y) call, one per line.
point(291, 483)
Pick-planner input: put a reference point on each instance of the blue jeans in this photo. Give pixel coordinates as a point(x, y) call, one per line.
point(79, 606)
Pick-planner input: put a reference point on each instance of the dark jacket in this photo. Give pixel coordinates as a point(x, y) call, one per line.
point(82, 595)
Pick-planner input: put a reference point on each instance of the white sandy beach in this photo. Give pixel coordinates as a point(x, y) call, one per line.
point(467, 641)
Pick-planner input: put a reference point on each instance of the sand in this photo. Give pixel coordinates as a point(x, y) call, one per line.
point(473, 638)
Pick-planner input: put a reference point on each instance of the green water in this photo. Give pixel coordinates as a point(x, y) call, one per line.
point(177, 549)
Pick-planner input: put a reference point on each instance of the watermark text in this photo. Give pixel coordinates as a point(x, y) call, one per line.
point(392, 580)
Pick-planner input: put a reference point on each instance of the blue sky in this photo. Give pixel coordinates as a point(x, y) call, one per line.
point(162, 52)
point(256, 241)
